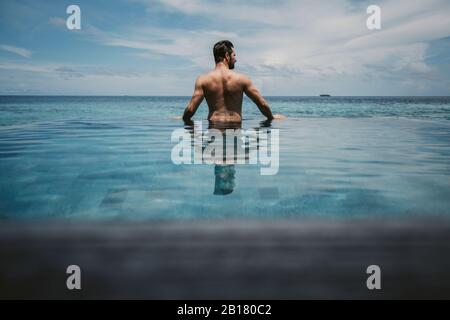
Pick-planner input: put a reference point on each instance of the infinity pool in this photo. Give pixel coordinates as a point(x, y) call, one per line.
point(110, 158)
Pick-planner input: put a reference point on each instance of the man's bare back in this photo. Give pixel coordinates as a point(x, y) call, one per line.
point(223, 90)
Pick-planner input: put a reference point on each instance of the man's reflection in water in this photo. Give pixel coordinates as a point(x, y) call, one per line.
point(225, 172)
point(224, 179)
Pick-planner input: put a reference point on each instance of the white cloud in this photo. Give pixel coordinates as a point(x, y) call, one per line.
point(172, 42)
point(324, 41)
point(287, 47)
point(16, 50)
point(56, 21)
point(54, 78)
point(304, 38)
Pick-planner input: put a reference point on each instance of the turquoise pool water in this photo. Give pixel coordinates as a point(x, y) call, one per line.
point(110, 158)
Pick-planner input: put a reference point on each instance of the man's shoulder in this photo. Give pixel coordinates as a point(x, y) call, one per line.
point(235, 76)
point(238, 74)
point(205, 77)
point(202, 77)
point(241, 78)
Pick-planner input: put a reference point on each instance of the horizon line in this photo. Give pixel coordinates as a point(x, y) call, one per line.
point(184, 96)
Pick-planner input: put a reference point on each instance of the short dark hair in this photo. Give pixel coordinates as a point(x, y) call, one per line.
point(220, 48)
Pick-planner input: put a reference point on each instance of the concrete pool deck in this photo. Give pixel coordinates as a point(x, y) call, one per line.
point(220, 259)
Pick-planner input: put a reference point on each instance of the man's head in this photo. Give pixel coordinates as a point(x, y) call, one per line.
point(224, 52)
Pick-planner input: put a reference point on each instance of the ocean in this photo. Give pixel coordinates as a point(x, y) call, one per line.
point(109, 158)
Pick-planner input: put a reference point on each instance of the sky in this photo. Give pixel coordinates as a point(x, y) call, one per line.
point(287, 47)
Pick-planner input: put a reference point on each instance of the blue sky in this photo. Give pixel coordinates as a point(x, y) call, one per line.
point(290, 47)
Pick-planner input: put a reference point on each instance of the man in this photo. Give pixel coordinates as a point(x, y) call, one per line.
point(224, 89)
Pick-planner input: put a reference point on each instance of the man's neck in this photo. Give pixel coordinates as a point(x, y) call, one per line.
point(221, 65)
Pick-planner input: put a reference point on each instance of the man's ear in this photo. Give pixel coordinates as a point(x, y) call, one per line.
point(227, 56)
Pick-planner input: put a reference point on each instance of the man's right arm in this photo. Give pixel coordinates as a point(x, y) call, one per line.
point(195, 102)
point(253, 93)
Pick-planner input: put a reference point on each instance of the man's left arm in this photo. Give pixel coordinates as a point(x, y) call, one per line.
point(195, 102)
